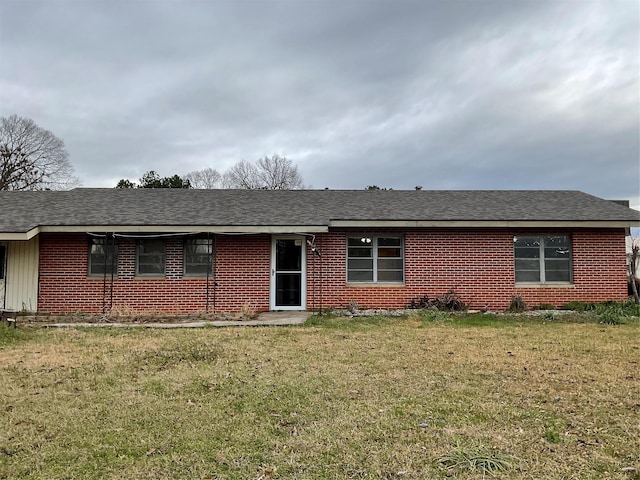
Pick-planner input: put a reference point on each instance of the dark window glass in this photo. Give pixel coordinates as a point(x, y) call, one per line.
point(372, 258)
point(151, 257)
point(542, 258)
point(103, 256)
point(198, 256)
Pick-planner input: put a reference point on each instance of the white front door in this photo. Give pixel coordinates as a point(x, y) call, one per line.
point(288, 277)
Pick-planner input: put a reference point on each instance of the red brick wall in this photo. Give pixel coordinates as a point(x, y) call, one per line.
point(242, 273)
point(477, 264)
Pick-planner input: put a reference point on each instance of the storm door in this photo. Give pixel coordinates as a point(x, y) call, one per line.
point(288, 273)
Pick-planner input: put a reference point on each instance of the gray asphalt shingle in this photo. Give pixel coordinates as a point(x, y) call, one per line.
point(21, 211)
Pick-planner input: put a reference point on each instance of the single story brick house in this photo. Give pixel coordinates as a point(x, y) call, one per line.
point(218, 251)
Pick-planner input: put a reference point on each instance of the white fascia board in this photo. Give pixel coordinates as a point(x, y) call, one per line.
point(479, 224)
point(14, 236)
point(184, 229)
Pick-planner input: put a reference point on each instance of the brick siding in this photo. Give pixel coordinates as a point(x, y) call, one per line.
point(476, 263)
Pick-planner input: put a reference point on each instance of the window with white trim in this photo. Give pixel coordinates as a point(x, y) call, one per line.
point(151, 257)
point(198, 256)
point(375, 259)
point(103, 256)
point(542, 258)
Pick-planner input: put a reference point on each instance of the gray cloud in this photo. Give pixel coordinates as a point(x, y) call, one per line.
point(455, 94)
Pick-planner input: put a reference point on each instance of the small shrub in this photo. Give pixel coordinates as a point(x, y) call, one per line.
point(517, 304)
point(450, 301)
point(419, 302)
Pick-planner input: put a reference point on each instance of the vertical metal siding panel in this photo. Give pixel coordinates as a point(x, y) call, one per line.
point(22, 275)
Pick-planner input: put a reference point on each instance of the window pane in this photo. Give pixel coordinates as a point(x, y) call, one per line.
point(527, 276)
point(360, 276)
point(390, 264)
point(557, 271)
point(389, 242)
point(364, 264)
point(389, 275)
point(359, 241)
point(360, 252)
point(527, 264)
point(389, 252)
point(526, 241)
point(103, 256)
point(151, 269)
point(527, 270)
point(198, 256)
point(556, 241)
point(152, 246)
point(151, 257)
point(557, 276)
point(528, 252)
point(556, 252)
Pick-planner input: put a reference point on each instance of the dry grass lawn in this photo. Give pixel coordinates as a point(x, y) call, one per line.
point(337, 399)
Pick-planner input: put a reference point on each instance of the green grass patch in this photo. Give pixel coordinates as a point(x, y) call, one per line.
point(425, 395)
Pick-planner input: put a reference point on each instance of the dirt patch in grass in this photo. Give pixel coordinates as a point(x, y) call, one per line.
point(340, 398)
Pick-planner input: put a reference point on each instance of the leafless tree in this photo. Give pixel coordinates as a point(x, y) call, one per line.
point(32, 158)
point(242, 175)
point(205, 179)
point(279, 173)
point(268, 173)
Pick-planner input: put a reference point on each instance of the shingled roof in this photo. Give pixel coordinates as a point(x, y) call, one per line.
point(298, 210)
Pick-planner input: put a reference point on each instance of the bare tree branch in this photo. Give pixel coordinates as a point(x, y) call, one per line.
point(268, 173)
point(279, 173)
point(242, 175)
point(32, 158)
point(208, 178)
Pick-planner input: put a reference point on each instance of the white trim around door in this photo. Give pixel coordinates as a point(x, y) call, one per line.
point(288, 273)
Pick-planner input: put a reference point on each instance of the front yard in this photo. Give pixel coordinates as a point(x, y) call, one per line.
point(423, 396)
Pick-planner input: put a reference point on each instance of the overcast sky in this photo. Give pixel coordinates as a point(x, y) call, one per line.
point(485, 94)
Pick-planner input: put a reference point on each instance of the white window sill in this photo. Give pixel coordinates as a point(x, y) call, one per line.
point(545, 285)
point(376, 284)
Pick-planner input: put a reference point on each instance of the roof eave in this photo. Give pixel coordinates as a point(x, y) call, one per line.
point(184, 228)
point(483, 224)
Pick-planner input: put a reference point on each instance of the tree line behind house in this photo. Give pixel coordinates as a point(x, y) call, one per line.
point(33, 158)
point(267, 173)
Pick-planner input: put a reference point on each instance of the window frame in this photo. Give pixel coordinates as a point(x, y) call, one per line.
point(163, 256)
point(374, 241)
point(542, 259)
point(186, 254)
point(109, 244)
